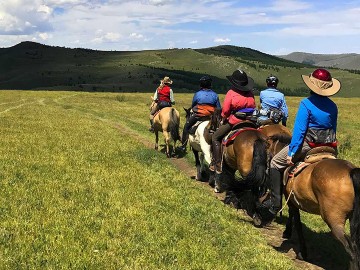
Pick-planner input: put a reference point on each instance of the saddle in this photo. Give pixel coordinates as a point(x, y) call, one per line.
point(312, 156)
point(194, 127)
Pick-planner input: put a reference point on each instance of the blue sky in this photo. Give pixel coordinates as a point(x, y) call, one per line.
point(274, 27)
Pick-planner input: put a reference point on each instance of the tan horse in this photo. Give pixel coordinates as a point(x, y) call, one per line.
point(167, 121)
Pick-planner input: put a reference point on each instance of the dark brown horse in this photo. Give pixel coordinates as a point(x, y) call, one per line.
point(247, 154)
point(167, 121)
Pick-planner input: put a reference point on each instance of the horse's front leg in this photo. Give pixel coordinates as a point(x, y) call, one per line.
point(198, 165)
point(289, 226)
point(295, 212)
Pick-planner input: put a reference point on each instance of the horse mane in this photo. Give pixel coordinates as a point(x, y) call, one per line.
point(215, 119)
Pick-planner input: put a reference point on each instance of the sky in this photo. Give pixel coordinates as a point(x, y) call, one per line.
point(276, 27)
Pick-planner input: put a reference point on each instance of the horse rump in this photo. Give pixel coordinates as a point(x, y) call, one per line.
point(355, 218)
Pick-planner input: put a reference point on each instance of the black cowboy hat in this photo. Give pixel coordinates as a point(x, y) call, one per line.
point(241, 81)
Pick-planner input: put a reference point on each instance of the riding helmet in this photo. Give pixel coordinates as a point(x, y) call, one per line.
point(205, 82)
point(272, 81)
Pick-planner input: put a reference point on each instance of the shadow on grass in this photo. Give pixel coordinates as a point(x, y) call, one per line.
point(323, 249)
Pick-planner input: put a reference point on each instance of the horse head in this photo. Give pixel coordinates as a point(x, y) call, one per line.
point(187, 113)
point(215, 120)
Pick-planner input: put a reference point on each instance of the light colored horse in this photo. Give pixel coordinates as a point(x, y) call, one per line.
point(167, 121)
point(200, 148)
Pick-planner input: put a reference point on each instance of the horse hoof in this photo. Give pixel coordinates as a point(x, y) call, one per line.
point(257, 220)
point(300, 256)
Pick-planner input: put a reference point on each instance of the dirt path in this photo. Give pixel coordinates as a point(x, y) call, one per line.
point(272, 233)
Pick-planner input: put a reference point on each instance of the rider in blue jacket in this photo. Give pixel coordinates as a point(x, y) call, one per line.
point(204, 103)
point(315, 125)
point(271, 98)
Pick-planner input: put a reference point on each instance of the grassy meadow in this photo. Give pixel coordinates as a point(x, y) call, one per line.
point(78, 191)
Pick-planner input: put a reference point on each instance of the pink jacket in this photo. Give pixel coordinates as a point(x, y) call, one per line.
point(234, 101)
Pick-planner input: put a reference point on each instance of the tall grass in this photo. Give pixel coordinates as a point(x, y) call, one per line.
point(78, 192)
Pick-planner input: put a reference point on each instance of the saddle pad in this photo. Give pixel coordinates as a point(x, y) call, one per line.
point(233, 134)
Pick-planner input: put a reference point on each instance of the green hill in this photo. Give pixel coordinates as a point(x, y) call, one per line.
point(30, 65)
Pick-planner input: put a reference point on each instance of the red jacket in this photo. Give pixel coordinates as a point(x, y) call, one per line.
point(164, 93)
point(234, 101)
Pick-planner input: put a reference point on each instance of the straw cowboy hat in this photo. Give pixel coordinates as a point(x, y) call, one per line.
point(166, 80)
point(241, 81)
point(321, 82)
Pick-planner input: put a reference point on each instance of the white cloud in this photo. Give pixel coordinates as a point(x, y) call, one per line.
point(44, 36)
point(222, 40)
point(136, 36)
point(129, 23)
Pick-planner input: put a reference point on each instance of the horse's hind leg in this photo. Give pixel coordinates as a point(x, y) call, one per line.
point(338, 231)
point(167, 142)
point(156, 140)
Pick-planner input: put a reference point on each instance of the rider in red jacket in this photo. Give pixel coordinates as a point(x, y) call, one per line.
point(163, 97)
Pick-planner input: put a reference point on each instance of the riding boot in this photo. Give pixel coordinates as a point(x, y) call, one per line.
point(151, 129)
point(217, 156)
point(276, 191)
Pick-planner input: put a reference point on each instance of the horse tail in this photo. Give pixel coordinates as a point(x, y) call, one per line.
point(174, 125)
point(355, 218)
point(256, 178)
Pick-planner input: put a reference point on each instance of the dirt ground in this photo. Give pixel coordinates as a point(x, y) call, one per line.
point(273, 232)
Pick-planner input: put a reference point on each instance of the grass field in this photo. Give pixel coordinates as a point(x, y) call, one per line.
point(78, 192)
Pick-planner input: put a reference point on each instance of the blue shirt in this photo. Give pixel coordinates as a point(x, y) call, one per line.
point(317, 112)
point(273, 98)
point(206, 96)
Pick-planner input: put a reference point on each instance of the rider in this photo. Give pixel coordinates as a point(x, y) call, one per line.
point(315, 125)
point(272, 101)
point(204, 103)
point(239, 98)
point(164, 97)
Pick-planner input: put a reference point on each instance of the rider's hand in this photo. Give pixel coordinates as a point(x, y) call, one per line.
point(289, 160)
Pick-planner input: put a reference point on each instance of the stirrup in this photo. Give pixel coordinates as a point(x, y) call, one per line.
point(151, 129)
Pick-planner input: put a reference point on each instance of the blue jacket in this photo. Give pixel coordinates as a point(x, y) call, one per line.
point(206, 96)
point(273, 98)
point(315, 113)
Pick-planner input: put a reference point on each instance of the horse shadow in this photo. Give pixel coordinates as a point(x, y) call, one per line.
point(323, 249)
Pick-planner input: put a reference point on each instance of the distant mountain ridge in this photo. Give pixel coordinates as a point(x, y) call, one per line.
point(31, 65)
point(349, 61)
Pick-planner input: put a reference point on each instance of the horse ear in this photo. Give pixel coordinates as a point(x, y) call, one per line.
point(185, 109)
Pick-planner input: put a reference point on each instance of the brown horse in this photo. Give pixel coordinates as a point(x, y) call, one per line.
point(329, 188)
point(247, 154)
point(167, 120)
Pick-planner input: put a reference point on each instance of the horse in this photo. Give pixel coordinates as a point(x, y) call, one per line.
point(167, 121)
point(247, 154)
point(329, 187)
point(200, 148)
